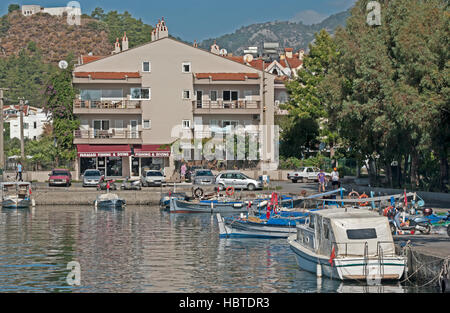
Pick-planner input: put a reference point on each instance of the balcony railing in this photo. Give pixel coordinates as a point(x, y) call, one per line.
point(107, 104)
point(224, 104)
point(108, 134)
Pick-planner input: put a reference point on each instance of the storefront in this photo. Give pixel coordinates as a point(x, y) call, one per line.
point(149, 157)
point(120, 161)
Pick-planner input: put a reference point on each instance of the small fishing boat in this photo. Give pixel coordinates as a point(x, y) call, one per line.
point(16, 195)
point(209, 206)
point(109, 201)
point(347, 244)
point(164, 202)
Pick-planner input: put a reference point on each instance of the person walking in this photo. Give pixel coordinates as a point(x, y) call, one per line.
point(19, 171)
point(321, 177)
point(183, 171)
point(335, 179)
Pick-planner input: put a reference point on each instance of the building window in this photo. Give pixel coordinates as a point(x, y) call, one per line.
point(35, 125)
point(25, 125)
point(186, 67)
point(213, 95)
point(140, 93)
point(146, 124)
point(146, 67)
point(186, 94)
point(186, 124)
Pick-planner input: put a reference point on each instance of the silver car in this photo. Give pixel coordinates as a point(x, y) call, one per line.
point(91, 178)
point(152, 178)
point(203, 177)
point(237, 180)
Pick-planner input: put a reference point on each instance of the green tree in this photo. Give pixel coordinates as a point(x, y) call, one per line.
point(13, 7)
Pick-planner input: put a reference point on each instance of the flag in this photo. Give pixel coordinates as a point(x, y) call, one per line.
point(332, 256)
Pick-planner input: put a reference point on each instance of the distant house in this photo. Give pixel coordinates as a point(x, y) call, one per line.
point(28, 10)
point(34, 120)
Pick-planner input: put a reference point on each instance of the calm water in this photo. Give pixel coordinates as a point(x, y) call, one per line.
point(142, 249)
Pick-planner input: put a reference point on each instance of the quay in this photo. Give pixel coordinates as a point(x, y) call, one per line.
point(428, 259)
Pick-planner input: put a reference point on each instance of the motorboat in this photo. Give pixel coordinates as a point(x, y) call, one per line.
point(347, 244)
point(109, 201)
point(16, 195)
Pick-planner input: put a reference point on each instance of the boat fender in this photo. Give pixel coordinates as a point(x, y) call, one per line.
point(238, 205)
point(262, 204)
point(33, 202)
point(230, 191)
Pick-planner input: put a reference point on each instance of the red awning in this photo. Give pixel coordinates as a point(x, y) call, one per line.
point(152, 151)
point(91, 151)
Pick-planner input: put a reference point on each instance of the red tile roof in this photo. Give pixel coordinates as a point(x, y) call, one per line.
point(227, 76)
point(90, 58)
point(258, 63)
point(239, 59)
point(294, 62)
point(107, 75)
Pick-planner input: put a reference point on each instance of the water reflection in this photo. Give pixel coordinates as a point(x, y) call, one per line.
point(141, 249)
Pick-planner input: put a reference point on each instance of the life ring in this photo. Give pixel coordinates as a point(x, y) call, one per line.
point(230, 191)
point(353, 193)
point(198, 192)
point(364, 196)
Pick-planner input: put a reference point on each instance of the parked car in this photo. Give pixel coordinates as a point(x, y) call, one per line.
point(237, 180)
point(305, 174)
point(203, 177)
point(153, 178)
point(190, 172)
point(91, 178)
point(60, 177)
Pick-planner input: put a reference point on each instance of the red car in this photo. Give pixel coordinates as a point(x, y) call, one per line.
point(60, 177)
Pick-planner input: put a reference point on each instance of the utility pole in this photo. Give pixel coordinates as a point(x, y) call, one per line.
point(22, 145)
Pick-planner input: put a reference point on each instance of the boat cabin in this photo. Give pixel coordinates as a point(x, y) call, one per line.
point(352, 232)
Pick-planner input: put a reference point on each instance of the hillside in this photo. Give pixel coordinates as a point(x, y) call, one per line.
point(53, 36)
point(287, 34)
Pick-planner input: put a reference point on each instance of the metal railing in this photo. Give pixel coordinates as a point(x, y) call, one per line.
point(224, 104)
point(107, 104)
point(345, 245)
point(107, 134)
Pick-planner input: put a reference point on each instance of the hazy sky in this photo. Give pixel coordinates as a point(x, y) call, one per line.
point(202, 19)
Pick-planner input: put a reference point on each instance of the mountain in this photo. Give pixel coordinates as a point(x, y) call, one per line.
point(287, 34)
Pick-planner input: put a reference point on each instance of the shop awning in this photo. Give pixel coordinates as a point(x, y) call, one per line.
point(152, 151)
point(91, 151)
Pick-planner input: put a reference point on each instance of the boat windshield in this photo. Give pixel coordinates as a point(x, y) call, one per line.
point(365, 233)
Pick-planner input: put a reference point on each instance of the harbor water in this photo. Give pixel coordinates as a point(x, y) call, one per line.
point(142, 249)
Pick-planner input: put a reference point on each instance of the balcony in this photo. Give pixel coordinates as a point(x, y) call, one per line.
point(112, 136)
point(240, 106)
point(107, 107)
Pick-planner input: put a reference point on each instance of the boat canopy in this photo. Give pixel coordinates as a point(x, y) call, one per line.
point(352, 229)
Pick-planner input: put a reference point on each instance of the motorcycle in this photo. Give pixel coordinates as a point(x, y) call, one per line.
point(105, 184)
point(131, 184)
point(411, 224)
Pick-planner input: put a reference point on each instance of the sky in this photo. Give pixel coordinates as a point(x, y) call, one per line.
point(202, 19)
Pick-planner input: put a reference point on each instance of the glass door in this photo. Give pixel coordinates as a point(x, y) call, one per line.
point(135, 167)
point(101, 165)
point(133, 129)
point(199, 99)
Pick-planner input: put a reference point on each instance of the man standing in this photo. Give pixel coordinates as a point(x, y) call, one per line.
point(19, 172)
point(335, 178)
point(183, 171)
point(321, 178)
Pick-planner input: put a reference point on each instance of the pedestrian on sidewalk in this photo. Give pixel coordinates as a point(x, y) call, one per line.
point(321, 177)
point(335, 179)
point(183, 171)
point(19, 171)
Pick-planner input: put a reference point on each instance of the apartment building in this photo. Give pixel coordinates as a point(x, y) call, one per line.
point(135, 104)
point(34, 121)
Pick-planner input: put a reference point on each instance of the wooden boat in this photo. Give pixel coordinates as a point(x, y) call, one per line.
point(16, 195)
point(209, 206)
point(253, 226)
point(109, 201)
point(347, 244)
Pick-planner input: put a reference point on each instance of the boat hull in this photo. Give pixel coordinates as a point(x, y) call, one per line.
point(230, 228)
point(178, 206)
point(16, 204)
point(110, 204)
point(349, 268)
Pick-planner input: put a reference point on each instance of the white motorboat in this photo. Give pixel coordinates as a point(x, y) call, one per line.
point(347, 244)
point(16, 195)
point(109, 201)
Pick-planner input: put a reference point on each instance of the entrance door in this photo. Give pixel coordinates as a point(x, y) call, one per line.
point(102, 165)
point(135, 167)
point(133, 129)
point(199, 99)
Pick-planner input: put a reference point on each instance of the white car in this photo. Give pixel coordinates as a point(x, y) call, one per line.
point(153, 178)
point(305, 174)
point(237, 180)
